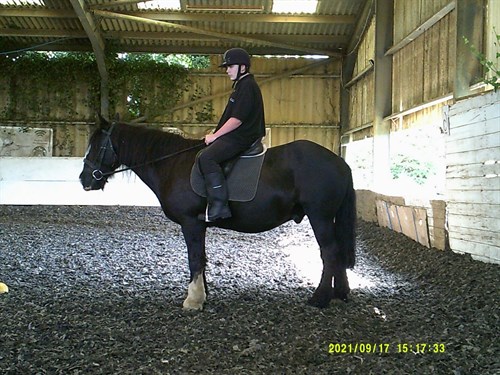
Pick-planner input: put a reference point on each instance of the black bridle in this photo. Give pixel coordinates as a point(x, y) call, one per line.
point(107, 145)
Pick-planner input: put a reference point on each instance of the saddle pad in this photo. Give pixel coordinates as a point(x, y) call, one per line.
point(242, 180)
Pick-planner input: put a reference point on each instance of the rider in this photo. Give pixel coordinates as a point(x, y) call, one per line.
point(241, 124)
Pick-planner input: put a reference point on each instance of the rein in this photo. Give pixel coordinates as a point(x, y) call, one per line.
point(98, 175)
point(107, 174)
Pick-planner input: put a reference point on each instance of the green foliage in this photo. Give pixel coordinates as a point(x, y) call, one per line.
point(207, 112)
point(189, 61)
point(415, 169)
point(488, 65)
point(147, 84)
point(35, 82)
point(144, 84)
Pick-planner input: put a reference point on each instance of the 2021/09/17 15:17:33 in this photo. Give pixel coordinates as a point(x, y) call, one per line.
point(385, 348)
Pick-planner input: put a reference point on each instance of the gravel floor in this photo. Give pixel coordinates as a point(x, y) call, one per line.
point(98, 290)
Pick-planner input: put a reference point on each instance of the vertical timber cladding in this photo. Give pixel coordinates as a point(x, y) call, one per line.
point(473, 177)
point(305, 105)
point(423, 70)
point(361, 98)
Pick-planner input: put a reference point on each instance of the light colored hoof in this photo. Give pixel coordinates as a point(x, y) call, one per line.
point(196, 295)
point(191, 305)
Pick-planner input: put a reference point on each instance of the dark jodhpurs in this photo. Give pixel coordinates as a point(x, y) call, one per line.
point(216, 153)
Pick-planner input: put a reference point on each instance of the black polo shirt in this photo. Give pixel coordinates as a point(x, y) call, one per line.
point(245, 103)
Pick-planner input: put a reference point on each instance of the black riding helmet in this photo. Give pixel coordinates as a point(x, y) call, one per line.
point(235, 56)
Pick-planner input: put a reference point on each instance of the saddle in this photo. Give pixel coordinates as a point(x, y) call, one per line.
point(242, 174)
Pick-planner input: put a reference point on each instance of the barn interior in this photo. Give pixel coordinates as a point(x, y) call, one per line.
point(400, 89)
point(405, 91)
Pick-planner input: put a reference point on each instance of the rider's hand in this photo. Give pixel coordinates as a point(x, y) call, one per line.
point(209, 138)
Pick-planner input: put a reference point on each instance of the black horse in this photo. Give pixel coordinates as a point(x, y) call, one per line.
point(297, 179)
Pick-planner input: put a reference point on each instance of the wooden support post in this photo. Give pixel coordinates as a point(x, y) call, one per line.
point(98, 45)
point(384, 20)
point(347, 70)
point(348, 64)
point(470, 26)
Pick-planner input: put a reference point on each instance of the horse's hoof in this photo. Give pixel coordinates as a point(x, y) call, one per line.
point(320, 301)
point(340, 295)
point(190, 305)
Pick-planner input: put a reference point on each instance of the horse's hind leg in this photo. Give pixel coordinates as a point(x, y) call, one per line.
point(333, 265)
point(340, 282)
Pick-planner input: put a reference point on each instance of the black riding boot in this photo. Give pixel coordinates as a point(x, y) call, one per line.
point(217, 196)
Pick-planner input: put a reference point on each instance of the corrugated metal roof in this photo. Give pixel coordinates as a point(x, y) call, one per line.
point(69, 26)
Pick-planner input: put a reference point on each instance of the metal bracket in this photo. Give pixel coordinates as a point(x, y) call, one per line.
point(445, 126)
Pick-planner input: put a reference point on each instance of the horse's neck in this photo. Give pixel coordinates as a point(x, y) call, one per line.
point(140, 148)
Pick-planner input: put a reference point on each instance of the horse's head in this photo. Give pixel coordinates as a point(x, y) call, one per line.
point(100, 159)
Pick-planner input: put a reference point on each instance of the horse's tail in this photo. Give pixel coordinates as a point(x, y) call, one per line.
point(345, 226)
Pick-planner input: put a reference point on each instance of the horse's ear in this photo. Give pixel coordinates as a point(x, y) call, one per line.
point(101, 122)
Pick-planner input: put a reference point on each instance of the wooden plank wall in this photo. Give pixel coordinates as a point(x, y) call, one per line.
point(424, 69)
point(473, 177)
point(408, 15)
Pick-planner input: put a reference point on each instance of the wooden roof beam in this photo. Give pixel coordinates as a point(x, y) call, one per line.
point(63, 46)
point(190, 16)
point(151, 48)
point(43, 33)
point(44, 13)
point(158, 35)
point(214, 34)
point(116, 3)
point(361, 26)
point(247, 17)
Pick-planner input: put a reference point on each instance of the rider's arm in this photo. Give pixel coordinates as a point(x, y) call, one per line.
point(231, 124)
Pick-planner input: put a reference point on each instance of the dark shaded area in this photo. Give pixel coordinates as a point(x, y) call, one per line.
point(98, 290)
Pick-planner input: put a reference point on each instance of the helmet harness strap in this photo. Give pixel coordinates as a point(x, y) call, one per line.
point(240, 73)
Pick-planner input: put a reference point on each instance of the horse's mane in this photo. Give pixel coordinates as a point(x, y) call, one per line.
point(145, 144)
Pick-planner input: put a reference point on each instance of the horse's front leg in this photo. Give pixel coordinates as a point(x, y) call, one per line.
point(194, 235)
